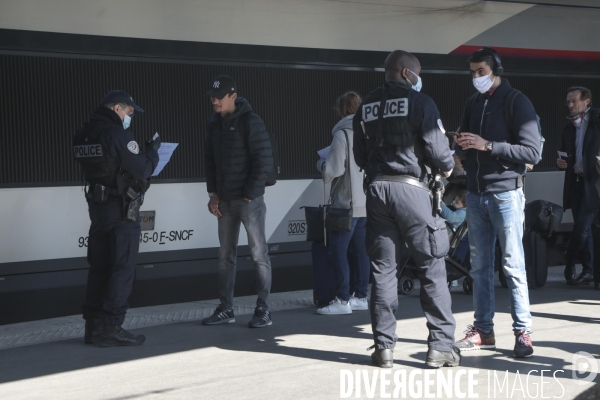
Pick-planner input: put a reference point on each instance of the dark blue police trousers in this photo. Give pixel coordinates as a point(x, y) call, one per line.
point(112, 254)
point(396, 212)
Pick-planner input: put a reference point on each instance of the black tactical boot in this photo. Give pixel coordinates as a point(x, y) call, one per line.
point(436, 358)
point(93, 331)
point(114, 335)
point(585, 278)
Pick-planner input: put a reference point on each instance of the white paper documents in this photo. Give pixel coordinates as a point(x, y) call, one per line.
point(562, 154)
point(164, 155)
point(323, 153)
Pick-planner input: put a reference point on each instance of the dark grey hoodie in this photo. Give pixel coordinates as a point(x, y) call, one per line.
point(502, 168)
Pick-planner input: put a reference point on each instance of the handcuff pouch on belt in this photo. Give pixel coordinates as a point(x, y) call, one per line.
point(99, 193)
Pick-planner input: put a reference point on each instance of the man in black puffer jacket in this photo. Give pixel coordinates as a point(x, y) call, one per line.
point(237, 160)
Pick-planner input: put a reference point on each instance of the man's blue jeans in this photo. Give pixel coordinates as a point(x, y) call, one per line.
point(338, 251)
point(252, 215)
point(490, 216)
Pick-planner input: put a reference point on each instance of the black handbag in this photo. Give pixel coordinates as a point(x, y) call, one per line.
point(340, 219)
point(543, 216)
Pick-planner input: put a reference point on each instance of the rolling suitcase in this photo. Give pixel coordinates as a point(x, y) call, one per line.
point(324, 280)
point(536, 258)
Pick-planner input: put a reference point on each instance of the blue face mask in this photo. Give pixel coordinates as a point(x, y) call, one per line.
point(419, 84)
point(126, 120)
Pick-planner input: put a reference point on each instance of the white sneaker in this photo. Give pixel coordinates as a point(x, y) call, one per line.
point(335, 307)
point(358, 304)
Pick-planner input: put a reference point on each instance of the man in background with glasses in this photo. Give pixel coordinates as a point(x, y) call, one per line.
point(579, 148)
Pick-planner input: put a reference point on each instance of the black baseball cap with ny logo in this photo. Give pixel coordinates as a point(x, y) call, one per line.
point(221, 86)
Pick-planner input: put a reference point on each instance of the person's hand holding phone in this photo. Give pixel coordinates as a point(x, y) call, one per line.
point(454, 136)
point(561, 161)
point(468, 140)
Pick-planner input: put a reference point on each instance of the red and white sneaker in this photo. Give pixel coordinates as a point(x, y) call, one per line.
point(476, 339)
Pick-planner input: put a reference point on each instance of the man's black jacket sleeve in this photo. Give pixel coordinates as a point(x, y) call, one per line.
point(210, 167)
point(436, 148)
point(261, 157)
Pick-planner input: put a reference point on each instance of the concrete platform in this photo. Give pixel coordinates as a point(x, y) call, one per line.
point(304, 355)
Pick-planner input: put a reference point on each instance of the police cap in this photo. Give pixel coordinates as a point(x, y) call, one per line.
point(121, 97)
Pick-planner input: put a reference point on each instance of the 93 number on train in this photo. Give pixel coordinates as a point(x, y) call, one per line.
point(83, 241)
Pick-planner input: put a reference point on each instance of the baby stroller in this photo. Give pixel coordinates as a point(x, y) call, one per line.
point(457, 259)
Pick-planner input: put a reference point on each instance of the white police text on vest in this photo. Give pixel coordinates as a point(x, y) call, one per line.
point(393, 108)
point(88, 150)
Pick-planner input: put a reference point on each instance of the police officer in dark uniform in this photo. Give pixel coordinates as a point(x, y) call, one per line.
point(116, 173)
point(398, 137)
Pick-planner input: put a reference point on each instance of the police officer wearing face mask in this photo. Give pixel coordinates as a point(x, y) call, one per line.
point(116, 173)
point(398, 138)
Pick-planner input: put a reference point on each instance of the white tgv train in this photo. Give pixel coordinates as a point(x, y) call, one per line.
point(293, 58)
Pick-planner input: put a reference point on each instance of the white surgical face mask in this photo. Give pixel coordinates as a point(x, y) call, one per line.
point(126, 120)
point(483, 83)
point(419, 84)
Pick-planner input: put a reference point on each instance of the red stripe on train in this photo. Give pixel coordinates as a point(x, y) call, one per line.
point(532, 53)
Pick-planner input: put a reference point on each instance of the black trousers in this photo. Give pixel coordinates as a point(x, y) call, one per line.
point(396, 212)
point(596, 242)
point(113, 247)
point(581, 243)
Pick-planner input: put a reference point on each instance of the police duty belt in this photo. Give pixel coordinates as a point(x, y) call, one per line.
point(404, 179)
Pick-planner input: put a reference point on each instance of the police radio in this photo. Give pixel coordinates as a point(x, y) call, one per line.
point(134, 201)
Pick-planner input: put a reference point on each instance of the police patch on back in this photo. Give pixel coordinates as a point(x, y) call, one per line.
point(393, 108)
point(133, 147)
point(88, 150)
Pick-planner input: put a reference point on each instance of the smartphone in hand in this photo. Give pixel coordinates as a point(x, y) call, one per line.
point(452, 134)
